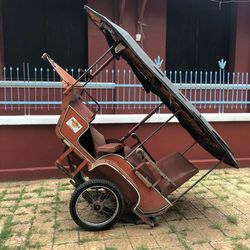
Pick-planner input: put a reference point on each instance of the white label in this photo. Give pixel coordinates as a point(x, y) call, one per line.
point(74, 124)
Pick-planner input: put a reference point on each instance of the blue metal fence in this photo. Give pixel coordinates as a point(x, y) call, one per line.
point(38, 91)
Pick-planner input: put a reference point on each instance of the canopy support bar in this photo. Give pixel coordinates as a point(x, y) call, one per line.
point(91, 67)
point(184, 152)
point(152, 134)
point(140, 123)
point(194, 184)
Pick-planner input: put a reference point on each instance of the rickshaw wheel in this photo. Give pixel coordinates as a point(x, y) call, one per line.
point(96, 204)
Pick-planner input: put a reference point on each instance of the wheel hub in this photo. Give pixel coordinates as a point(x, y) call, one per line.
point(97, 205)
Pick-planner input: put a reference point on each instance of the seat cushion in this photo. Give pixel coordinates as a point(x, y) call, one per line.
point(109, 148)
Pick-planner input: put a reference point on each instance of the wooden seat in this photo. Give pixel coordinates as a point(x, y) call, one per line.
point(178, 169)
point(175, 167)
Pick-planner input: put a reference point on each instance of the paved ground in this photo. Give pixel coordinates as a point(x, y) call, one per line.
point(214, 215)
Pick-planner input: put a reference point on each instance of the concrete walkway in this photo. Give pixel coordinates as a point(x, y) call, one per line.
point(214, 215)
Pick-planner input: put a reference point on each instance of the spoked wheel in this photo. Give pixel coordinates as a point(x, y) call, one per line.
point(96, 204)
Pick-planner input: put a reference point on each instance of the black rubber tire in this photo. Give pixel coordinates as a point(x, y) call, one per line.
point(105, 185)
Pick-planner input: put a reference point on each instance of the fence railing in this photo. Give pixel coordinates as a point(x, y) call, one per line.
point(38, 91)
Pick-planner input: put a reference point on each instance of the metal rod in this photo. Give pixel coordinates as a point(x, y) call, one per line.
point(140, 123)
point(98, 71)
point(160, 127)
point(93, 65)
point(96, 62)
point(189, 147)
point(194, 184)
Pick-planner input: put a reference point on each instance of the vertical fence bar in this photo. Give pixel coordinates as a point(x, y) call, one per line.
point(135, 88)
point(118, 88)
point(220, 74)
point(228, 85)
point(215, 89)
point(237, 89)
point(28, 78)
point(201, 76)
point(35, 78)
point(106, 89)
point(5, 88)
point(195, 89)
point(113, 89)
point(124, 89)
point(246, 97)
point(18, 88)
point(205, 96)
point(223, 90)
point(24, 89)
point(129, 88)
point(210, 89)
point(191, 86)
point(48, 90)
point(233, 91)
point(241, 90)
point(180, 81)
point(54, 89)
point(11, 90)
point(186, 82)
point(41, 79)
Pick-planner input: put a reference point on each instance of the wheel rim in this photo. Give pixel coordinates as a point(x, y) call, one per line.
point(97, 205)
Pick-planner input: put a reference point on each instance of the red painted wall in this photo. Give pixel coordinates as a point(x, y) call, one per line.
point(242, 38)
point(154, 27)
point(1, 41)
point(29, 152)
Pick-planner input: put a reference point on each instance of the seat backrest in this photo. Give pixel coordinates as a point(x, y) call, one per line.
point(97, 137)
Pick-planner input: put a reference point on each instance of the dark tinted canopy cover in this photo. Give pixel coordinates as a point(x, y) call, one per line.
point(153, 79)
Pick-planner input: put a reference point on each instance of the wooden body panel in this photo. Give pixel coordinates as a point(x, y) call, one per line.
point(150, 200)
point(71, 131)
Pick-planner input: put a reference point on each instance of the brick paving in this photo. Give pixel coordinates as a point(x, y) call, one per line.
point(213, 215)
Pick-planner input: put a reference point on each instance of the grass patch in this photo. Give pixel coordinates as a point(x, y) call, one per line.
point(172, 228)
point(216, 227)
point(247, 235)
point(6, 230)
point(27, 197)
point(40, 190)
point(222, 197)
point(28, 244)
point(180, 235)
point(35, 245)
point(200, 242)
point(183, 243)
point(57, 201)
point(231, 219)
point(110, 248)
point(44, 211)
point(208, 206)
point(28, 205)
point(236, 238)
point(88, 239)
point(47, 196)
point(142, 248)
point(240, 246)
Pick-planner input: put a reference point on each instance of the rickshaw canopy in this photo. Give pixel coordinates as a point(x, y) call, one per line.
point(154, 80)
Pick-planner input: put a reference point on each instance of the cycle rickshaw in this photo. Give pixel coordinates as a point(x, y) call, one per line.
point(111, 176)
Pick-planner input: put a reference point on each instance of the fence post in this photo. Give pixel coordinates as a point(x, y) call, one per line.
point(222, 64)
